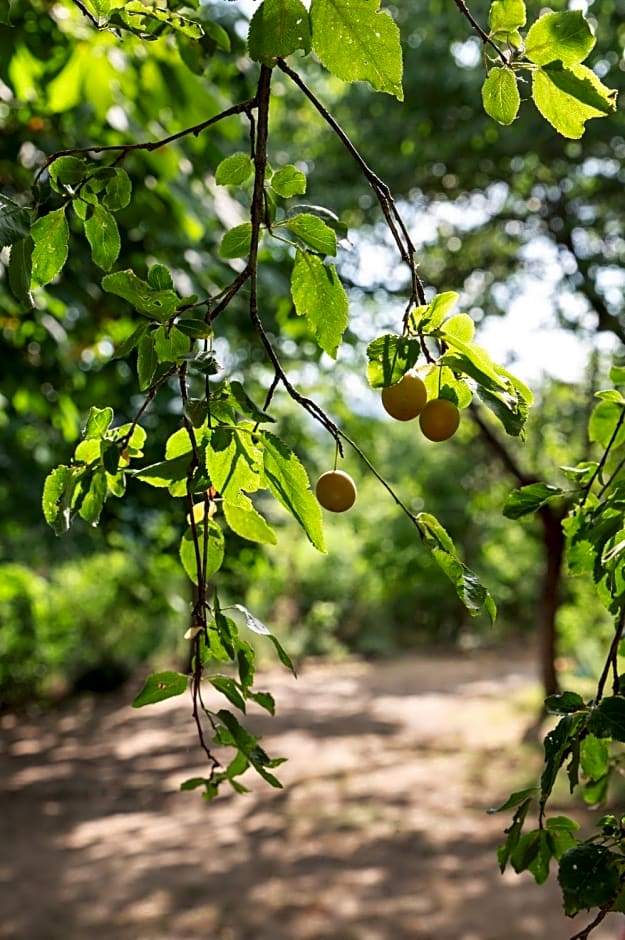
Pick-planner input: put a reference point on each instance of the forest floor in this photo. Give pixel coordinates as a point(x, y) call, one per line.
point(380, 832)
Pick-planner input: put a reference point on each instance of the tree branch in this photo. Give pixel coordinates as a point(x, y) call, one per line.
point(478, 29)
point(383, 194)
point(245, 107)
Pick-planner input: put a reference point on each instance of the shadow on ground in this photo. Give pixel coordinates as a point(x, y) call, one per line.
point(379, 834)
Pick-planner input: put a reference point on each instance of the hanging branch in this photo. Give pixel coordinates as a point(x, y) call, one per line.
point(383, 194)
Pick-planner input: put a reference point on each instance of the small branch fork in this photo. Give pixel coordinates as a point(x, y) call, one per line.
point(486, 39)
point(383, 194)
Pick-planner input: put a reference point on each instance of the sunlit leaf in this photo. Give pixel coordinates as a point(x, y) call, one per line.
point(234, 170)
point(288, 481)
point(358, 42)
point(207, 531)
point(569, 97)
point(289, 181)
point(236, 242)
point(565, 37)
point(103, 236)
point(51, 236)
point(277, 29)
point(155, 303)
point(160, 686)
point(314, 232)
point(500, 95)
point(319, 296)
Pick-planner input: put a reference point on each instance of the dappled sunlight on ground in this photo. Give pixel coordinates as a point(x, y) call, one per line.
point(379, 834)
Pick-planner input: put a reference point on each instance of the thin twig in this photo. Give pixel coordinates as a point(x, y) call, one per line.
point(85, 12)
point(245, 107)
point(611, 657)
point(604, 456)
point(486, 39)
point(383, 194)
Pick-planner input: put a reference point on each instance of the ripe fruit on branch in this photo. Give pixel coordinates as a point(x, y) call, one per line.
point(336, 491)
point(405, 400)
point(439, 419)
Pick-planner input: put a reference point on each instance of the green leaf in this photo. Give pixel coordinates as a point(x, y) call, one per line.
point(558, 746)
point(607, 424)
point(155, 303)
point(236, 242)
point(533, 853)
point(607, 719)
point(500, 95)
point(98, 422)
point(218, 34)
point(475, 362)
point(51, 236)
point(234, 170)
point(509, 406)
point(265, 700)
point(14, 221)
point(568, 97)
point(289, 181)
point(175, 21)
point(131, 342)
point(20, 269)
point(560, 831)
point(529, 499)
point(67, 172)
point(93, 500)
point(594, 757)
point(288, 481)
point(234, 462)
point(277, 29)
point(159, 686)
point(118, 191)
point(564, 702)
point(147, 361)
point(166, 472)
point(103, 236)
point(430, 316)
point(358, 42)
point(460, 326)
point(588, 877)
point(257, 626)
point(313, 232)
point(505, 16)
point(194, 327)
point(564, 37)
point(242, 401)
point(56, 502)
point(170, 343)
point(469, 588)
point(390, 357)
point(515, 829)
point(230, 689)
point(208, 531)
point(243, 518)
point(515, 799)
point(319, 296)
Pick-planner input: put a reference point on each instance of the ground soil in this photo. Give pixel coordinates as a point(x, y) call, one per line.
point(380, 832)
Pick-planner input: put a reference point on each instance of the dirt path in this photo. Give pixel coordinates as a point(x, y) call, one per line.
point(379, 834)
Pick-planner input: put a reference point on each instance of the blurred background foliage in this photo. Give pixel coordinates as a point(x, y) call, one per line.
point(490, 209)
